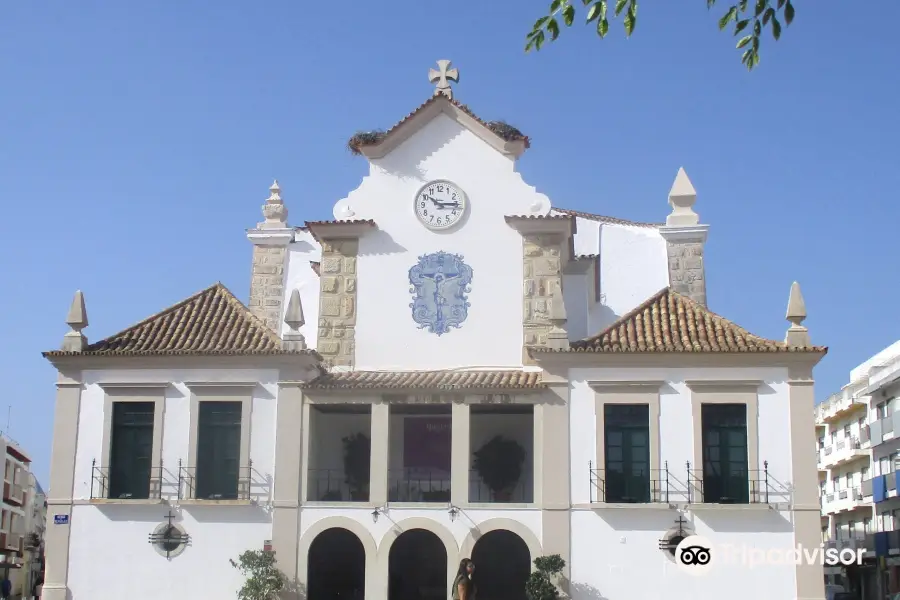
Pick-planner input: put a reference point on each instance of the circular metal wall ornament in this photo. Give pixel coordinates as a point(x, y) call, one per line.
point(169, 539)
point(674, 536)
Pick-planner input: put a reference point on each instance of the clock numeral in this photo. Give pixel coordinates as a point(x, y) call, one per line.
point(454, 212)
point(439, 221)
point(425, 213)
point(432, 218)
point(423, 204)
point(431, 190)
point(440, 188)
point(454, 196)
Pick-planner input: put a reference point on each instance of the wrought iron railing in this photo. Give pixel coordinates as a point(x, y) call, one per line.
point(101, 488)
point(639, 486)
point(744, 486)
point(418, 485)
point(522, 491)
point(187, 484)
point(330, 485)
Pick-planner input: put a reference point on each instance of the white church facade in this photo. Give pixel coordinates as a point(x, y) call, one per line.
point(451, 368)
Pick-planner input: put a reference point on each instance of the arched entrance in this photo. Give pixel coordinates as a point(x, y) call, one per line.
point(336, 566)
point(417, 567)
point(502, 564)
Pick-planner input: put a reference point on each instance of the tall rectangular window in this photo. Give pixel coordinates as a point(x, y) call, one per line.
point(131, 450)
point(627, 450)
point(725, 471)
point(218, 450)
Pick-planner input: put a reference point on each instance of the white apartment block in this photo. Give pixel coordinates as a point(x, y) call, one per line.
point(858, 457)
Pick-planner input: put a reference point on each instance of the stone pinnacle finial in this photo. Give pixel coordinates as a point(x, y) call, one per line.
point(77, 319)
point(797, 335)
point(294, 340)
point(442, 77)
point(682, 197)
point(274, 210)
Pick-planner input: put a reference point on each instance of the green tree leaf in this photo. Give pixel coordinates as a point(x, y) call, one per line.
point(630, 20)
point(761, 6)
point(770, 12)
point(597, 10)
point(602, 27)
point(540, 23)
point(620, 4)
point(788, 13)
point(554, 6)
point(568, 15)
point(776, 28)
point(731, 14)
point(553, 28)
point(741, 25)
point(744, 41)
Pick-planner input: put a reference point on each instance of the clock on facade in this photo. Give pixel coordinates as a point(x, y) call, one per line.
point(440, 204)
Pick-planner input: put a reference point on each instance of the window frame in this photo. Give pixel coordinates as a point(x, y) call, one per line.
point(219, 392)
point(627, 392)
point(726, 392)
point(136, 392)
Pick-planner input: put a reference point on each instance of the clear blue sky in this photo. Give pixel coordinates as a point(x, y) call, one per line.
point(138, 140)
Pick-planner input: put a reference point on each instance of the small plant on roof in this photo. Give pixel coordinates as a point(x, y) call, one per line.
point(264, 580)
point(505, 130)
point(364, 138)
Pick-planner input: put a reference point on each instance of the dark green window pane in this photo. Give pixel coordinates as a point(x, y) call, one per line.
point(131, 449)
point(627, 468)
point(725, 473)
point(218, 450)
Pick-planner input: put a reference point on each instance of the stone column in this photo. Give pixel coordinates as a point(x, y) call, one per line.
point(286, 496)
point(379, 453)
point(555, 474)
point(685, 237)
point(460, 453)
point(62, 482)
point(337, 302)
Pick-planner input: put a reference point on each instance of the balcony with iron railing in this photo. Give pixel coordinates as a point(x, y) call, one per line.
point(838, 406)
point(655, 487)
point(842, 451)
point(202, 486)
point(843, 500)
point(884, 429)
point(108, 486)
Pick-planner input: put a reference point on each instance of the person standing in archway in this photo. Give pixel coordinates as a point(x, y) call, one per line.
point(462, 584)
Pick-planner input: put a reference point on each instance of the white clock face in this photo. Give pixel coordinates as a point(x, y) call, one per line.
point(440, 205)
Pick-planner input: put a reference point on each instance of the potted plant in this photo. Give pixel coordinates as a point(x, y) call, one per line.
point(357, 448)
point(499, 464)
point(264, 581)
point(540, 584)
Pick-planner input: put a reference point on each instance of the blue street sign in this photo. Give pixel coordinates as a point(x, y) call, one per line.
point(60, 519)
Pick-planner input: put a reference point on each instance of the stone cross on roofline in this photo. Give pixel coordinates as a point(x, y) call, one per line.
point(442, 77)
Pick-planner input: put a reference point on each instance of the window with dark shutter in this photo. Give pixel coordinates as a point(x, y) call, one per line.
point(725, 471)
point(218, 450)
point(627, 452)
point(131, 450)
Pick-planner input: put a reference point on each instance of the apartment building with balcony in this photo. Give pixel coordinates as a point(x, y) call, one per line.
point(493, 378)
point(15, 511)
point(858, 457)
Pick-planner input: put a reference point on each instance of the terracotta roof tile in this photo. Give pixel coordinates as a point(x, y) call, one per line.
point(211, 322)
point(609, 220)
point(428, 380)
point(502, 130)
point(548, 217)
point(670, 322)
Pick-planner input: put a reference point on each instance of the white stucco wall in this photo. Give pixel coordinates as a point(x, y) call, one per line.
point(615, 553)
point(109, 543)
point(300, 276)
